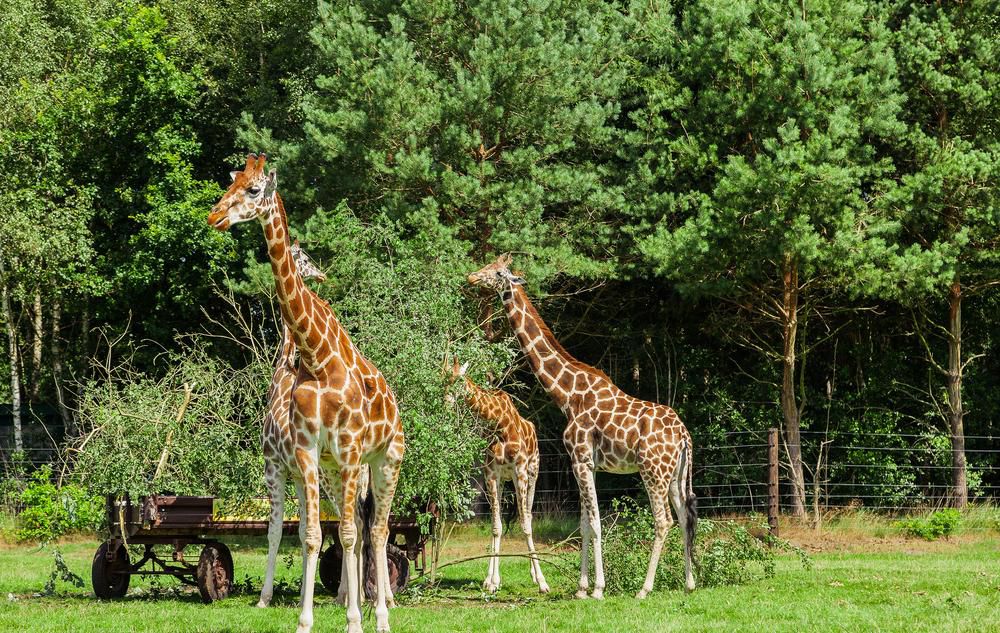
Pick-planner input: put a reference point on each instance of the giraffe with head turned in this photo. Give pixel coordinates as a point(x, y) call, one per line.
point(607, 430)
point(278, 443)
point(344, 415)
point(511, 455)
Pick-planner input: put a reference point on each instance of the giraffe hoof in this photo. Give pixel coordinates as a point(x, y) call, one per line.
point(598, 594)
point(543, 587)
point(641, 595)
point(261, 604)
point(581, 594)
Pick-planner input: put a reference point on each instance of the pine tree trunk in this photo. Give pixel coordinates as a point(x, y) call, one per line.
point(960, 487)
point(15, 379)
point(37, 338)
point(56, 352)
point(789, 407)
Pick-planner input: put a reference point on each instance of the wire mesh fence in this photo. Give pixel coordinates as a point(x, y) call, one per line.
point(884, 472)
point(892, 473)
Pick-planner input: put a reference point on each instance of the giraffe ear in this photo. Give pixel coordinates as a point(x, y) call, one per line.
point(505, 260)
point(233, 174)
point(272, 184)
point(514, 279)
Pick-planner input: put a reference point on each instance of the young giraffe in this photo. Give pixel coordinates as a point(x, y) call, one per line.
point(278, 443)
point(606, 430)
point(344, 414)
point(512, 455)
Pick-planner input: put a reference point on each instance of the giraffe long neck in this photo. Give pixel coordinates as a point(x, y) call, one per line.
point(297, 301)
point(551, 364)
point(484, 403)
point(286, 355)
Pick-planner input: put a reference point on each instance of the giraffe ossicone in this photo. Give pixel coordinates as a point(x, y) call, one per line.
point(343, 413)
point(512, 455)
point(606, 430)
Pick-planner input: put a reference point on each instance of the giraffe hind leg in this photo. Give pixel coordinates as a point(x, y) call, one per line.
point(524, 491)
point(384, 478)
point(661, 519)
point(492, 582)
point(276, 491)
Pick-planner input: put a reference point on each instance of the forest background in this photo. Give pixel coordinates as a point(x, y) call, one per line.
point(761, 213)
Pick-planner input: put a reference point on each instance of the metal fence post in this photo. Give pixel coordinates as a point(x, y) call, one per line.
point(772, 481)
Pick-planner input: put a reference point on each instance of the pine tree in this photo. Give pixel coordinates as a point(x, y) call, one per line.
point(756, 160)
point(946, 201)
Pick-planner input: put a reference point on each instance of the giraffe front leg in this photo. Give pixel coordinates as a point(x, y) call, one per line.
point(275, 479)
point(492, 582)
point(523, 486)
point(592, 517)
point(334, 490)
point(312, 537)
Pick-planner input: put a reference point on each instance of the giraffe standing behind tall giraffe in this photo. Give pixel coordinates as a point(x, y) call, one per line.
point(344, 414)
point(607, 430)
point(512, 455)
point(278, 444)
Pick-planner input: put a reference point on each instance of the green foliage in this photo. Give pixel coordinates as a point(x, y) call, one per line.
point(213, 448)
point(726, 553)
point(445, 140)
point(51, 511)
point(403, 308)
point(939, 523)
point(60, 571)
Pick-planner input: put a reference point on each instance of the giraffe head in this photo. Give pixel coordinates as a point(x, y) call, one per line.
point(496, 276)
point(250, 195)
point(306, 266)
point(453, 373)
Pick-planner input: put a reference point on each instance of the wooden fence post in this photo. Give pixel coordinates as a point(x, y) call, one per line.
point(772, 481)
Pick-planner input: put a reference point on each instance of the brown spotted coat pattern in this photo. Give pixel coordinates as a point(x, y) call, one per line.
point(607, 430)
point(344, 414)
point(511, 455)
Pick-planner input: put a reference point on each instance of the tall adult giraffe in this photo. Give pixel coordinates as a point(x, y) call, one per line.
point(278, 445)
point(344, 414)
point(606, 430)
point(513, 455)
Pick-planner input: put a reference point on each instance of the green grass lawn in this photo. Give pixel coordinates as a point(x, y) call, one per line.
point(949, 587)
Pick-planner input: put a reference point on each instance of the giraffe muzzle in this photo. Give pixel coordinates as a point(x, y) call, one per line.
point(219, 219)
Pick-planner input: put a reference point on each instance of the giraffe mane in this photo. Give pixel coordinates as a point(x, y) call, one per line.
point(554, 342)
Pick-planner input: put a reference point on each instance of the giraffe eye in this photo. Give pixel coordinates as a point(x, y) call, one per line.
point(253, 191)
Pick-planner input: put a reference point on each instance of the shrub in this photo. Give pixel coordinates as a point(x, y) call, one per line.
point(130, 424)
point(938, 524)
point(51, 511)
point(726, 552)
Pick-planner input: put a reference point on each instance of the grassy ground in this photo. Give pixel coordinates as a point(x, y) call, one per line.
point(861, 580)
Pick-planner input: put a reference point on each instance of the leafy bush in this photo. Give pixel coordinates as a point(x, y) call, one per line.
point(726, 552)
point(208, 442)
point(51, 511)
point(938, 524)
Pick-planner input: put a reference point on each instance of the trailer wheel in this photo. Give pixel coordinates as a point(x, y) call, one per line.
point(399, 571)
point(329, 568)
point(215, 572)
point(110, 579)
point(399, 568)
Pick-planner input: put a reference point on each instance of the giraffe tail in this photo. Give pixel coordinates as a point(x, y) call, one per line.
point(366, 508)
point(690, 502)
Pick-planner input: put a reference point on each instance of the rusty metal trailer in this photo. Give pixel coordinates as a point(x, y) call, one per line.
point(179, 521)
